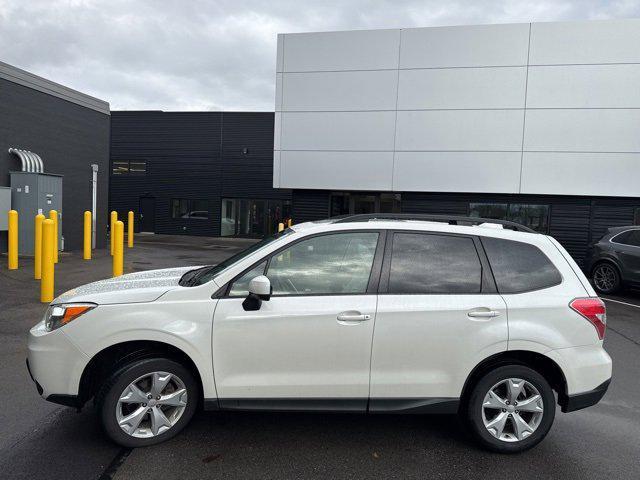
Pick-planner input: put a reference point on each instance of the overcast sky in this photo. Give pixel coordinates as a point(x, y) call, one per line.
point(220, 54)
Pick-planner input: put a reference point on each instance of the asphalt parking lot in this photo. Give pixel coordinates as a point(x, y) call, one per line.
point(43, 440)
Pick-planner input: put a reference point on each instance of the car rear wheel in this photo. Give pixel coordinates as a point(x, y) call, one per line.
point(606, 278)
point(511, 409)
point(147, 402)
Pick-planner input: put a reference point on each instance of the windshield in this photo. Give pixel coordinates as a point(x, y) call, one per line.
point(202, 275)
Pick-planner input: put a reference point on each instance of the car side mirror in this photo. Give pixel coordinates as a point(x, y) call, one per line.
point(259, 289)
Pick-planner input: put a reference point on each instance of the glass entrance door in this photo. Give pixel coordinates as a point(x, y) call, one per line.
point(252, 217)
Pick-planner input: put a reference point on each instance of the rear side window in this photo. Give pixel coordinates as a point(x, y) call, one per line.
point(630, 237)
point(519, 267)
point(431, 264)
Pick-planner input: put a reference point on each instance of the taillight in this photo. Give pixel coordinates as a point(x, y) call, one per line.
point(594, 310)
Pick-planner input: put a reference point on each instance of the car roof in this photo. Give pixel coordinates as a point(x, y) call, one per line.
point(485, 229)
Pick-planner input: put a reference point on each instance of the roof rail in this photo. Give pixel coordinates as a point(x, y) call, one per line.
point(450, 219)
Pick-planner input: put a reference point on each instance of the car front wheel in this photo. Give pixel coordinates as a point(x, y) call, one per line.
point(511, 409)
point(147, 402)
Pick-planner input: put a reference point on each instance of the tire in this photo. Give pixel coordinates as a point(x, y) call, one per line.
point(176, 407)
point(606, 278)
point(497, 381)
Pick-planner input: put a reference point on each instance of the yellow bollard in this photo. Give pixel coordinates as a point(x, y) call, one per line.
point(53, 216)
point(290, 222)
point(86, 251)
point(13, 240)
point(48, 265)
point(112, 226)
point(37, 247)
point(280, 226)
point(118, 247)
point(130, 229)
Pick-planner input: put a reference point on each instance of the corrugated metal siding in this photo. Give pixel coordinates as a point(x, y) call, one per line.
point(194, 156)
point(574, 221)
point(69, 138)
point(309, 205)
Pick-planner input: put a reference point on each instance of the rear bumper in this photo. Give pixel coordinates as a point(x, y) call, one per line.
point(571, 403)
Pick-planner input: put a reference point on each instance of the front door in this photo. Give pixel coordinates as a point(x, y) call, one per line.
point(147, 214)
point(309, 346)
point(438, 315)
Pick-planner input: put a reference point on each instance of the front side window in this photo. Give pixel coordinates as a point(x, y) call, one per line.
point(434, 264)
point(240, 288)
point(519, 267)
point(327, 264)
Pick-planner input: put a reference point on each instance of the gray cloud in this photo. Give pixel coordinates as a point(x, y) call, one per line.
point(211, 55)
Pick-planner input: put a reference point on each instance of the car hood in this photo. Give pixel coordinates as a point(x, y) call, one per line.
point(136, 287)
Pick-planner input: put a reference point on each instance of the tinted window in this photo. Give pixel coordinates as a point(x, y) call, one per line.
point(327, 264)
point(630, 237)
point(532, 216)
point(240, 287)
point(519, 267)
point(424, 263)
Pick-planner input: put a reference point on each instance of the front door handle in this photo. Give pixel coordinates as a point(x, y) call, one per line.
point(483, 313)
point(353, 316)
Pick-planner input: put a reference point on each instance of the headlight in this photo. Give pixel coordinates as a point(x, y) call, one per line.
point(59, 315)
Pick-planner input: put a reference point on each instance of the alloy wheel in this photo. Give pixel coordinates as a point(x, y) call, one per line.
point(512, 410)
point(605, 277)
point(151, 404)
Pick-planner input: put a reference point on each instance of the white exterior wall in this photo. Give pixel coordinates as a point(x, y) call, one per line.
point(541, 108)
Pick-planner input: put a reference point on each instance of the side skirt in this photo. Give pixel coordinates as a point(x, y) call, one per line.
point(358, 405)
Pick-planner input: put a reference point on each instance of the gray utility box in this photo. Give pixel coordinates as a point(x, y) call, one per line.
point(33, 193)
point(5, 206)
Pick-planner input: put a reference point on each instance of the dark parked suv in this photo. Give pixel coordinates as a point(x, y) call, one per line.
point(614, 261)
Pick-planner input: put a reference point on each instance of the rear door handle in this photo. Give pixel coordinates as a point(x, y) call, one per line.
point(353, 316)
point(483, 313)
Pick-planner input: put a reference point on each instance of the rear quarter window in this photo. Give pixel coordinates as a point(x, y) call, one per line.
point(519, 267)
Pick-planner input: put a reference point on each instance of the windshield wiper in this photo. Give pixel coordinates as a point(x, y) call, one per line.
point(190, 278)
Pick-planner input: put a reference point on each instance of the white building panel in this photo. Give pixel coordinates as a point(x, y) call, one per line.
point(465, 46)
point(593, 130)
point(277, 130)
point(501, 87)
point(584, 86)
point(278, 92)
point(340, 91)
point(497, 172)
point(482, 130)
point(581, 174)
point(359, 131)
point(355, 50)
point(337, 170)
point(276, 169)
point(280, 53)
point(610, 41)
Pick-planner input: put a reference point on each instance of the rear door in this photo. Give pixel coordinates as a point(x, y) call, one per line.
point(627, 246)
point(438, 316)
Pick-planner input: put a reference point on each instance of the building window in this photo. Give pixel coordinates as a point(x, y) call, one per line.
point(253, 217)
point(132, 167)
point(182, 208)
point(535, 217)
point(345, 203)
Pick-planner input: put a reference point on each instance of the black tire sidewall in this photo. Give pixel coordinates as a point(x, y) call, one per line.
point(474, 408)
point(618, 283)
point(108, 399)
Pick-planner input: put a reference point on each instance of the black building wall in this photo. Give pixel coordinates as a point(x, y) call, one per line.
point(69, 138)
point(573, 221)
point(192, 155)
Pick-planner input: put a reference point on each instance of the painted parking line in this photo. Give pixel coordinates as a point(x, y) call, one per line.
point(618, 301)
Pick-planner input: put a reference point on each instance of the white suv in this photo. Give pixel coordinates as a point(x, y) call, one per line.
point(361, 314)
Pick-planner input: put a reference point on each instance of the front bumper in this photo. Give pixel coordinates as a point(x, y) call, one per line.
point(55, 364)
point(586, 399)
